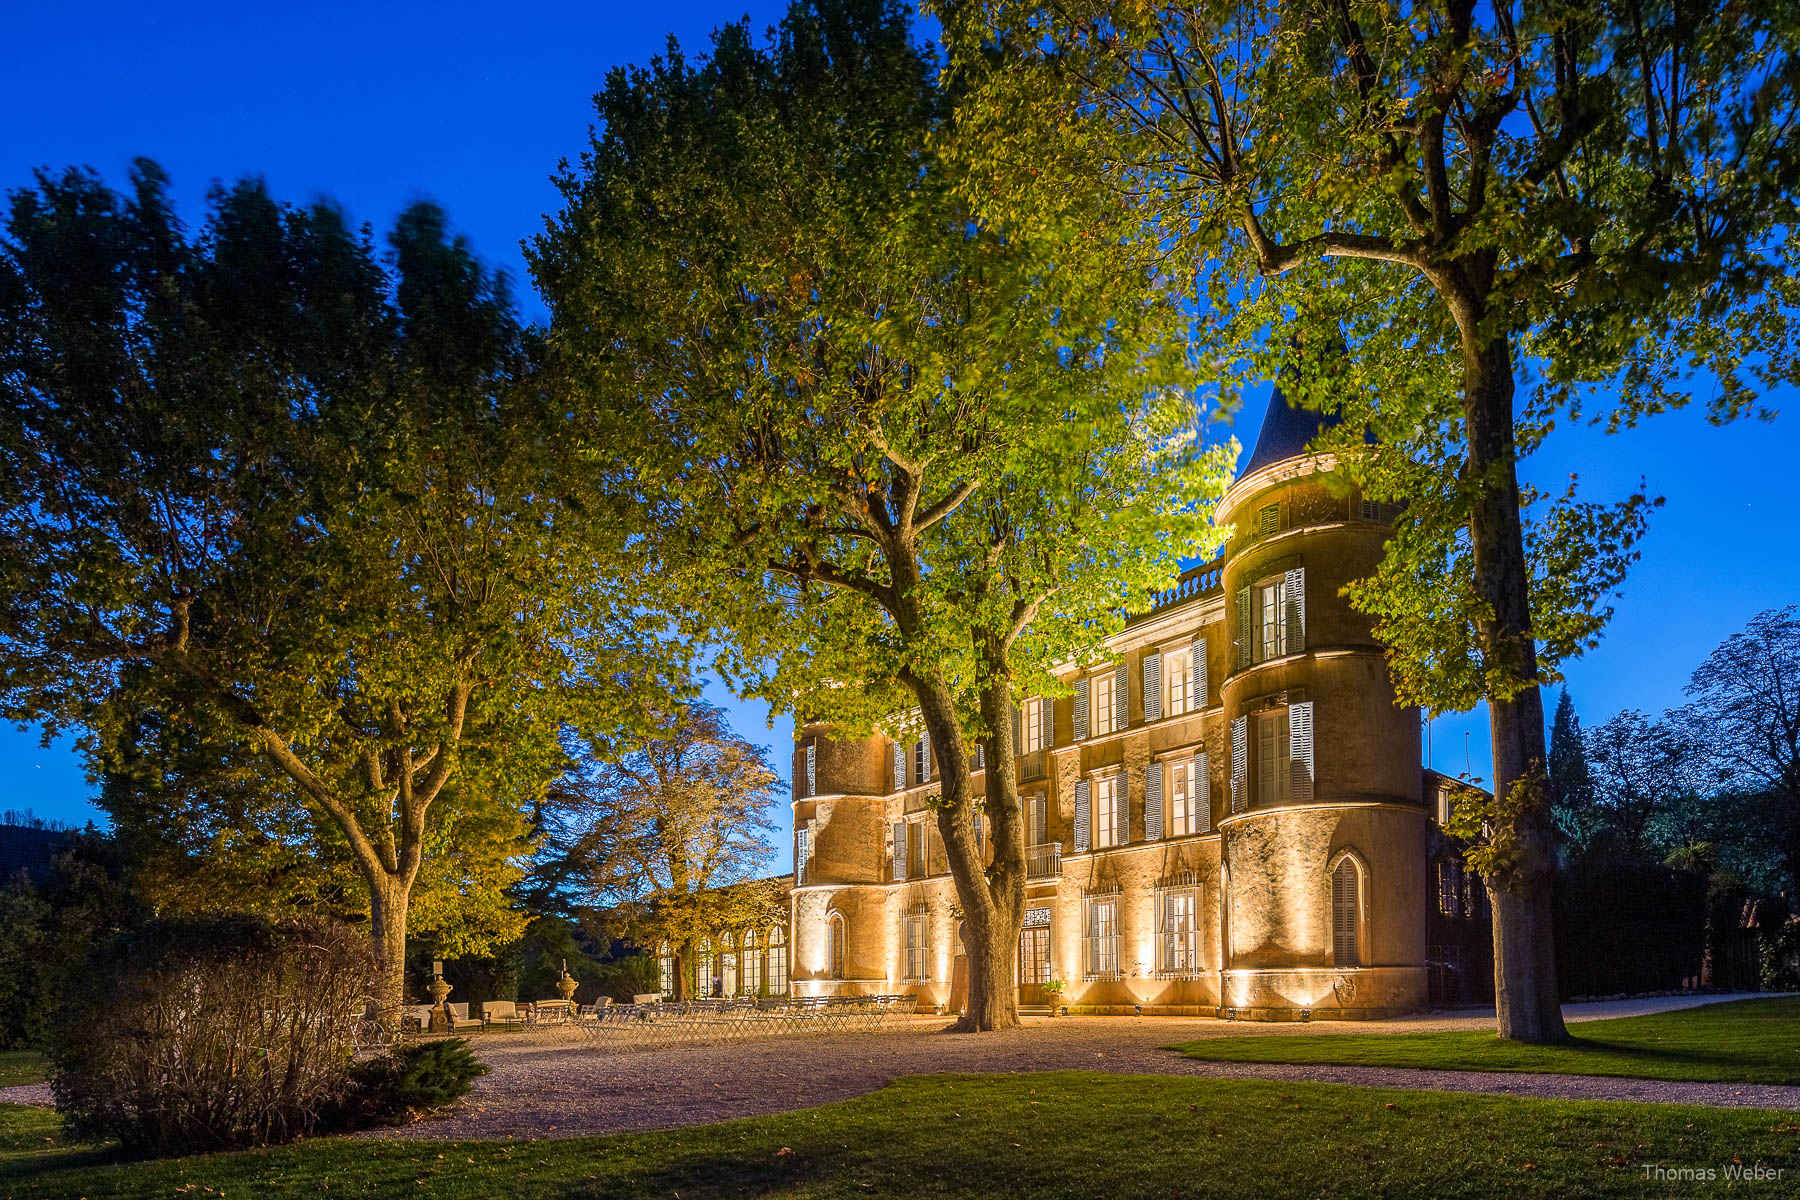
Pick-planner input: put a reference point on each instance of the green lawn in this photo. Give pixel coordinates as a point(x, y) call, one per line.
point(1066, 1134)
point(1744, 1041)
point(22, 1066)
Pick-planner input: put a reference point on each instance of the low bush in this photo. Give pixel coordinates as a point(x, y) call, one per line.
point(206, 1033)
point(399, 1088)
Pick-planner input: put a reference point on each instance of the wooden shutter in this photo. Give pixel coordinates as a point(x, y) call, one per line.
point(980, 757)
point(1293, 594)
point(1343, 914)
point(1121, 698)
point(1197, 679)
point(924, 756)
point(1153, 802)
point(812, 770)
point(1153, 686)
point(1200, 793)
point(899, 851)
point(1243, 628)
point(1039, 822)
point(1121, 811)
point(1081, 709)
point(1083, 800)
point(802, 851)
point(1240, 764)
point(1046, 722)
point(899, 767)
point(1300, 751)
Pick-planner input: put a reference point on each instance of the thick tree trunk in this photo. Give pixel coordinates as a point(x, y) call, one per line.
point(1525, 991)
point(388, 899)
point(993, 898)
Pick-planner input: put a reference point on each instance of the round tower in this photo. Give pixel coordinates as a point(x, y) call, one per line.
point(1324, 833)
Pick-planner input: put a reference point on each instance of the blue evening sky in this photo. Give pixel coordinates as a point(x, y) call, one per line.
point(474, 104)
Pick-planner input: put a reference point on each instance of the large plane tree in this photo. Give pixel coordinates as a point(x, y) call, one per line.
point(904, 460)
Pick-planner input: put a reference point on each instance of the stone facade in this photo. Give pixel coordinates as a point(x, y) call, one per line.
point(1242, 832)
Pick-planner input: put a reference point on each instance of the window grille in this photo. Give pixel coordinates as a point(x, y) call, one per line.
point(1102, 941)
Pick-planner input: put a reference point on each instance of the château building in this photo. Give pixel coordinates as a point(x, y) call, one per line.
point(1226, 814)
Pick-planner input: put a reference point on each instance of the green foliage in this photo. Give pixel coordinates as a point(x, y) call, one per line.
point(48, 928)
point(1419, 185)
point(285, 534)
point(401, 1087)
point(207, 1033)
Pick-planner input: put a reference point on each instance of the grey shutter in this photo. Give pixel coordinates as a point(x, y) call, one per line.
point(802, 851)
point(1083, 794)
point(1197, 680)
point(812, 770)
point(980, 756)
point(1121, 698)
point(899, 851)
point(1240, 764)
point(1153, 802)
point(1040, 825)
point(899, 767)
point(1293, 594)
point(1121, 812)
point(1243, 628)
point(925, 756)
point(1153, 687)
point(1343, 914)
point(1300, 751)
point(1046, 721)
point(1200, 793)
point(1081, 709)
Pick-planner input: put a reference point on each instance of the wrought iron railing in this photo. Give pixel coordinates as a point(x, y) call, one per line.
point(1043, 862)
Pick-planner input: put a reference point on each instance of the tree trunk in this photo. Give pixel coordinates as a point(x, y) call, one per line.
point(388, 899)
point(1525, 992)
point(993, 898)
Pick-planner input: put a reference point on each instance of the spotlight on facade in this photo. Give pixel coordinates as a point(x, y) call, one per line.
point(1231, 1014)
point(1305, 1015)
point(1138, 1009)
point(1065, 1010)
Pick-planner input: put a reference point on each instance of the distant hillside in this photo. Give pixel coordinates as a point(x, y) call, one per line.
point(29, 848)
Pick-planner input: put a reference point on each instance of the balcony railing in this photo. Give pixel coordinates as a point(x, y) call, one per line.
point(1043, 862)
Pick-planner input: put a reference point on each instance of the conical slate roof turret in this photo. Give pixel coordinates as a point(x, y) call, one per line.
point(1287, 431)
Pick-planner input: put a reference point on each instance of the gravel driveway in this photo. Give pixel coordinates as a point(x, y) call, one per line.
point(553, 1083)
point(544, 1087)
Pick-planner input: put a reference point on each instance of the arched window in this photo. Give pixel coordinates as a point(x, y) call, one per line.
point(665, 970)
point(778, 964)
point(1345, 914)
point(704, 969)
point(751, 977)
point(837, 947)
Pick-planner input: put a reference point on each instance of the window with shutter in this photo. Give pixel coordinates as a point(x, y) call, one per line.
point(1153, 685)
point(899, 851)
point(1121, 810)
point(1294, 597)
point(1344, 887)
point(1083, 796)
point(1201, 775)
point(1106, 813)
point(1197, 686)
point(1033, 726)
point(812, 770)
point(1121, 698)
point(1274, 777)
point(925, 758)
point(899, 767)
point(1153, 802)
point(1268, 520)
point(1103, 711)
point(1046, 722)
point(1037, 822)
point(1240, 764)
point(1300, 750)
point(1081, 710)
point(1245, 625)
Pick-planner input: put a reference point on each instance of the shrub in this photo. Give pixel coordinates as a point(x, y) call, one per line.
point(398, 1088)
point(206, 1033)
